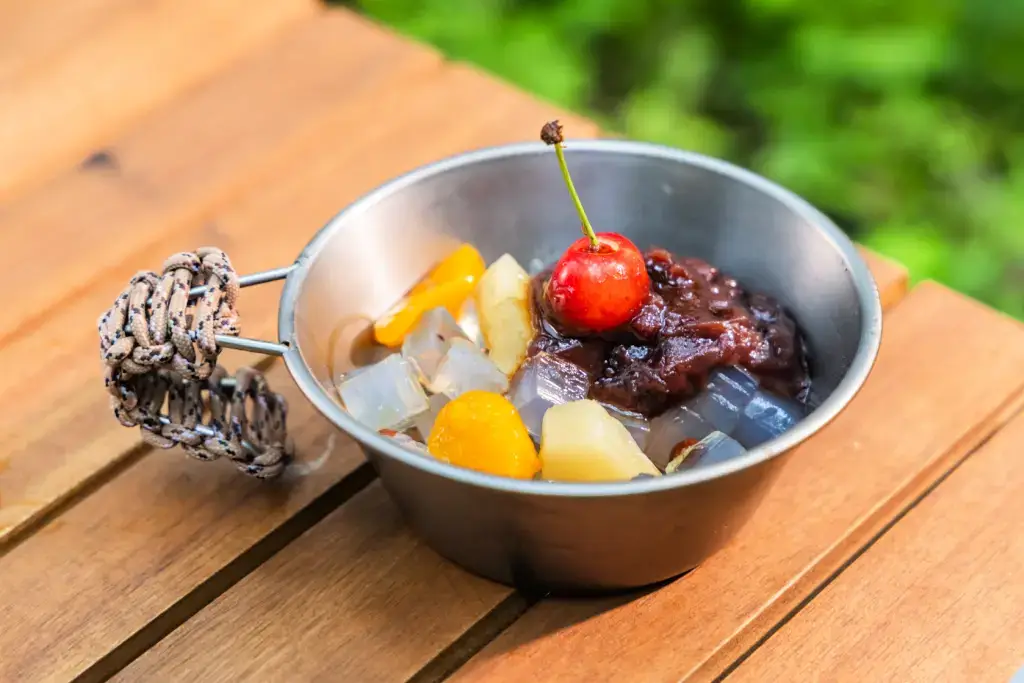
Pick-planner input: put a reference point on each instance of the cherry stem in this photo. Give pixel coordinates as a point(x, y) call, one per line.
point(588, 229)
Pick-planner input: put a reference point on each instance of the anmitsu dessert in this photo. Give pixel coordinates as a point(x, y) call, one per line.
point(613, 364)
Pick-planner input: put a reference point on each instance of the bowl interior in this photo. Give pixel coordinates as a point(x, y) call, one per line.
point(513, 200)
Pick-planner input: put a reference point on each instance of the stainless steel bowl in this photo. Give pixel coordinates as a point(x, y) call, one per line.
point(573, 536)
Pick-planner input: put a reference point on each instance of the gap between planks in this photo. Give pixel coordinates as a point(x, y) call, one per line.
point(188, 504)
point(294, 132)
point(226, 577)
point(310, 190)
point(497, 129)
point(476, 638)
point(310, 193)
point(494, 624)
point(305, 557)
point(11, 537)
point(723, 608)
point(937, 599)
point(185, 214)
point(161, 455)
point(1010, 413)
point(891, 279)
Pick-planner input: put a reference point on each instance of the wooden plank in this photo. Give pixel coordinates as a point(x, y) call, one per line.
point(315, 182)
point(161, 186)
point(937, 598)
point(372, 603)
point(891, 277)
point(353, 625)
point(32, 32)
point(211, 525)
point(834, 494)
point(110, 565)
point(148, 183)
point(75, 93)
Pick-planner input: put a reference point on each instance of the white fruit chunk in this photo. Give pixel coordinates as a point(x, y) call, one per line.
point(503, 306)
point(580, 441)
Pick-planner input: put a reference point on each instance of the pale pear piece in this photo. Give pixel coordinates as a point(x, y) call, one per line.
point(503, 307)
point(580, 441)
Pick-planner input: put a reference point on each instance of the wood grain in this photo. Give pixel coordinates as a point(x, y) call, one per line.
point(102, 571)
point(948, 372)
point(165, 191)
point(357, 598)
point(44, 460)
point(32, 32)
point(353, 625)
point(938, 598)
point(120, 567)
point(139, 56)
point(179, 163)
point(134, 557)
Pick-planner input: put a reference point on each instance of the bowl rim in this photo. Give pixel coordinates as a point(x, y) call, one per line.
point(860, 366)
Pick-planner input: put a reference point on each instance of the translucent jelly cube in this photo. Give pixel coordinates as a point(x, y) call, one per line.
point(469, 321)
point(426, 345)
point(638, 425)
point(466, 368)
point(719, 407)
point(671, 428)
point(765, 417)
point(723, 400)
point(714, 448)
point(544, 381)
point(349, 374)
point(424, 422)
point(405, 441)
point(385, 395)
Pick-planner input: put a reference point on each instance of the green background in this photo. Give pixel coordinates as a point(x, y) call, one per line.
point(903, 119)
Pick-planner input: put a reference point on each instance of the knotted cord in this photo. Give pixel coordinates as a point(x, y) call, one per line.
point(159, 350)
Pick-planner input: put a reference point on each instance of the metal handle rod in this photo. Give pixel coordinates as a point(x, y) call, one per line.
point(251, 279)
point(266, 348)
point(203, 430)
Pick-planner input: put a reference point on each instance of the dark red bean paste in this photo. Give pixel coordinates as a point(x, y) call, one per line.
point(695, 319)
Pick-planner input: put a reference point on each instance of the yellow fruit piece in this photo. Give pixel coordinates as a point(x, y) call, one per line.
point(503, 305)
point(449, 284)
point(580, 441)
point(482, 431)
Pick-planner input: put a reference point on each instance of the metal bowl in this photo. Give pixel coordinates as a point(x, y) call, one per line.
point(574, 536)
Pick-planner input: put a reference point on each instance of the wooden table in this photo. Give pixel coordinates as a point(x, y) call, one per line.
point(888, 549)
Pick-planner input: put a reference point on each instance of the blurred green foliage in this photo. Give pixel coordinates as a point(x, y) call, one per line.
point(902, 120)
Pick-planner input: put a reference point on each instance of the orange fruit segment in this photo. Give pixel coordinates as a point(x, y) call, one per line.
point(464, 262)
point(391, 328)
point(447, 285)
point(481, 430)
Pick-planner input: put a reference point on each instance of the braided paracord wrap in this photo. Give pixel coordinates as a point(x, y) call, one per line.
point(159, 347)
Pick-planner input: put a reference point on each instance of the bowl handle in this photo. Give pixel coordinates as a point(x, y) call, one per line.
point(160, 341)
point(267, 348)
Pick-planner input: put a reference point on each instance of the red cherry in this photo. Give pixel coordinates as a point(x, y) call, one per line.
point(601, 281)
point(598, 290)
